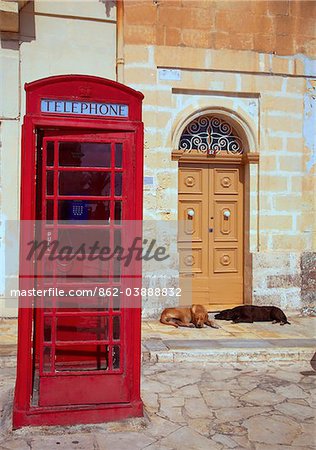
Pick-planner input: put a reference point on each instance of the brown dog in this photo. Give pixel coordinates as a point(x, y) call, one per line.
point(196, 316)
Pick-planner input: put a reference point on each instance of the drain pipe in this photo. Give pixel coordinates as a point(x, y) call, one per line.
point(120, 41)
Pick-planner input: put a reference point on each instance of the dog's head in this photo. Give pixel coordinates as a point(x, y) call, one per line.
point(227, 314)
point(199, 316)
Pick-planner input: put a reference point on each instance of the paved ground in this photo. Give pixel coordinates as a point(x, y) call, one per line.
point(260, 406)
point(250, 405)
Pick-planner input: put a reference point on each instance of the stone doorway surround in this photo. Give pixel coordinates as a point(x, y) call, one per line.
point(249, 135)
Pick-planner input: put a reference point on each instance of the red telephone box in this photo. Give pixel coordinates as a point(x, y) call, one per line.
point(82, 161)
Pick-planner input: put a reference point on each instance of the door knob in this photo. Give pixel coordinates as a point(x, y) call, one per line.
point(191, 213)
point(226, 213)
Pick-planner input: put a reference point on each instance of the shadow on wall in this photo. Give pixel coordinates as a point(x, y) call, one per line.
point(26, 33)
point(109, 4)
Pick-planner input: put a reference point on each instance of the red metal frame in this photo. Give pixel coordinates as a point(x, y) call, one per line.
point(86, 89)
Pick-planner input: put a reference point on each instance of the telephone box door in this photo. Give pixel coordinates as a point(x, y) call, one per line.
point(86, 184)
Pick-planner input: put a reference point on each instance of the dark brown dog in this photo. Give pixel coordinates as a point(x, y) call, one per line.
point(187, 317)
point(250, 314)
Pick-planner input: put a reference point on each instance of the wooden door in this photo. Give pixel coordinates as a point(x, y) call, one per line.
point(211, 235)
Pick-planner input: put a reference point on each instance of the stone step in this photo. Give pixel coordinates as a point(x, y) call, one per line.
point(209, 350)
point(228, 350)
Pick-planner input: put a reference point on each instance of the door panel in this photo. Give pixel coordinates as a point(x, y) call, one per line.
point(192, 225)
point(226, 181)
point(192, 180)
point(225, 260)
point(194, 260)
point(191, 260)
point(211, 240)
point(226, 227)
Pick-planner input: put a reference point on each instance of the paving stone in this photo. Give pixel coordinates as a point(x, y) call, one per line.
point(262, 397)
point(231, 385)
point(288, 376)
point(221, 375)
point(157, 446)
point(300, 402)
point(308, 381)
point(227, 441)
point(307, 437)
point(241, 413)
point(150, 400)
point(300, 412)
point(173, 414)
point(243, 442)
point(187, 439)
point(201, 426)
point(121, 441)
point(80, 441)
point(151, 369)
point(196, 408)
point(220, 399)
point(281, 447)
point(272, 429)
point(14, 444)
point(154, 386)
point(171, 408)
point(178, 378)
point(159, 427)
point(230, 428)
point(170, 401)
point(191, 391)
point(291, 391)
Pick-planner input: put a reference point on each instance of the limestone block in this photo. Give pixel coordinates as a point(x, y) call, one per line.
point(9, 83)
point(9, 16)
point(136, 54)
point(276, 222)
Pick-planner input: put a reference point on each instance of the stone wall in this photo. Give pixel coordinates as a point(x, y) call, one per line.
point(279, 27)
point(308, 279)
point(285, 279)
point(277, 279)
point(275, 97)
point(274, 107)
point(53, 38)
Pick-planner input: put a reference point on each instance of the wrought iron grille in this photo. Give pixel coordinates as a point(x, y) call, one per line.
point(210, 135)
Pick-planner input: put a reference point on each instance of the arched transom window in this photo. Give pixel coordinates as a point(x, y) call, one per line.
point(210, 135)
